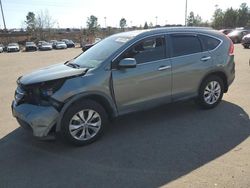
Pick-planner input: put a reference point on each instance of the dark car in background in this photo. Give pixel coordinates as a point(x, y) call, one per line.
point(246, 41)
point(87, 46)
point(226, 31)
point(69, 43)
point(30, 46)
point(13, 47)
point(237, 35)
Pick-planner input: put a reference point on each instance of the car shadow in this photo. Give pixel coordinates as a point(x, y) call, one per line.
point(145, 149)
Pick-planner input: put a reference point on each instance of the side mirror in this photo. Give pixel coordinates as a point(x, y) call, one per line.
point(127, 63)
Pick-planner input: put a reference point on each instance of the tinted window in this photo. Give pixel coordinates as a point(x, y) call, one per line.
point(151, 49)
point(208, 43)
point(185, 44)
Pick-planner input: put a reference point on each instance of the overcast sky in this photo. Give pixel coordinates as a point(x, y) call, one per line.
point(74, 13)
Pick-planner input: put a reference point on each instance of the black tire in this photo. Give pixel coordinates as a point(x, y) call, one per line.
point(85, 104)
point(201, 98)
point(246, 46)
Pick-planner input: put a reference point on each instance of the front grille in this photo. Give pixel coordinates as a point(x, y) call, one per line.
point(12, 50)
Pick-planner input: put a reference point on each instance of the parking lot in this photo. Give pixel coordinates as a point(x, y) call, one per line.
point(177, 145)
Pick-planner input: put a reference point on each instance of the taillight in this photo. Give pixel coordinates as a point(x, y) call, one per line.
point(231, 48)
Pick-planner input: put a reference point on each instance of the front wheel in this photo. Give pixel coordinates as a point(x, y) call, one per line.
point(210, 92)
point(83, 122)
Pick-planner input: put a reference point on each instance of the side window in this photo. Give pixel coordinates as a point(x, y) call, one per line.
point(185, 44)
point(151, 49)
point(208, 43)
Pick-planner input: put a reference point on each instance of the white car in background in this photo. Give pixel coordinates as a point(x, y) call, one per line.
point(43, 46)
point(1, 49)
point(13, 47)
point(61, 45)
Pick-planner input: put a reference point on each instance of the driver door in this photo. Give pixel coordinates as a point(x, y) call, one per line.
point(149, 83)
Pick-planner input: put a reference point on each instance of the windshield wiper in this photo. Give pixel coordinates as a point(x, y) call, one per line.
point(73, 65)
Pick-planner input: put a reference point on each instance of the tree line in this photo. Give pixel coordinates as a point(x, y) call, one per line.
point(229, 18)
point(36, 24)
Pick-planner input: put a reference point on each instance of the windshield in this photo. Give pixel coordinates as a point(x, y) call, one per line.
point(60, 43)
point(30, 43)
point(12, 44)
point(101, 51)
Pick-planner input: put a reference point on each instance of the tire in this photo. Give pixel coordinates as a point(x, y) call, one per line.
point(210, 92)
point(235, 41)
point(87, 119)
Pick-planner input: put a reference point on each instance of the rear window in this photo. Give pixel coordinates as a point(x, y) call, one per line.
point(185, 44)
point(208, 43)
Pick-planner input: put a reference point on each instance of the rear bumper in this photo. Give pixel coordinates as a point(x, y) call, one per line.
point(40, 119)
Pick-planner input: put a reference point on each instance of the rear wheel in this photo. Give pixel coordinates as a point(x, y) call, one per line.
point(83, 123)
point(210, 92)
point(235, 41)
point(246, 46)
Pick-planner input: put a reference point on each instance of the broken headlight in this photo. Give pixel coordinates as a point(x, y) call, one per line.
point(47, 89)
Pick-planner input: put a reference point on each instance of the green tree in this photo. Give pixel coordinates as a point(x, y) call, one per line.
point(243, 15)
point(92, 24)
point(123, 23)
point(145, 25)
point(30, 22)
point(230, 18)
point(218, 18)
point(194, 20)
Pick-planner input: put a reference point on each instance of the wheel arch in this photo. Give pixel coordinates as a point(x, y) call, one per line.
point(103, 100)
point(221, 75)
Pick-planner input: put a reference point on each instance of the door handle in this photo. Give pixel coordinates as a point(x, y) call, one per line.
point(164, 68)
point(205, 58)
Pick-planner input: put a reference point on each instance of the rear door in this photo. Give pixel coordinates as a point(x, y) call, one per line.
point(149, 83)
point(189, 64)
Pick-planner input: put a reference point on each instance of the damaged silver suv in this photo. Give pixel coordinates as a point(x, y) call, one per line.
point(123, 73)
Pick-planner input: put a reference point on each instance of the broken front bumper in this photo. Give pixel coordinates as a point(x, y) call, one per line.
point(39, 118)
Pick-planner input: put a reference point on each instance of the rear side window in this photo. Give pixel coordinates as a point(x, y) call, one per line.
point(208, 43)
point(185, 44)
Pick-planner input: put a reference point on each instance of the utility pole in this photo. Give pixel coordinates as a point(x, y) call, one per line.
point(105, 21)
point(186, 14)
point(156, 20)
point(3, 16)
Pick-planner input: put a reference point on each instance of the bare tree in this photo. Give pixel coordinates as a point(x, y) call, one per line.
point(44, 22)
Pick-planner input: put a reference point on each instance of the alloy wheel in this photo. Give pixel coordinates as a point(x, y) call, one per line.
point(85, 124)
point(212, 92)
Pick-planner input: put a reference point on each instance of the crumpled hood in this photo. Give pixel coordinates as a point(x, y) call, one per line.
point(51, 73)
